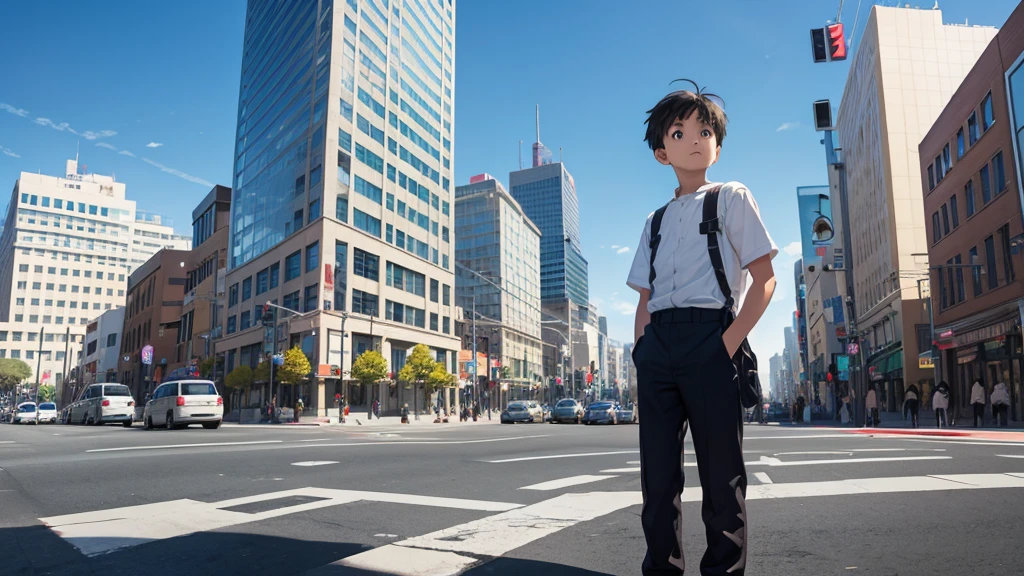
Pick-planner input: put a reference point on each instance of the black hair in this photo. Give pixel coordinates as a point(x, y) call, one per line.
point(679, 105)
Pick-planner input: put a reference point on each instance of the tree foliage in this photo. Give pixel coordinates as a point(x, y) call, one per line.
point(261, 374)
point(13, 372)
point(296, 367)
point(369, 367)
point(206, 368)
point(46, 393)
point(240, 378)
point(418, 365)
point(439, 378)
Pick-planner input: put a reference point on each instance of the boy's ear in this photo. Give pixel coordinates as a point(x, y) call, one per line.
point(661, 156)
point(718, 152)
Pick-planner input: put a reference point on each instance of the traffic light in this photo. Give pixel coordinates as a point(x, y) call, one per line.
point(268, 315)
point(837, 48)
point(818, 47)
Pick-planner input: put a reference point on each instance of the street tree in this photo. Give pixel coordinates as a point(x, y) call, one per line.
point(13, 372)
point(417, 369)
point(369, 368)
point(206, 368)
point(261, 374)
point(46, 393)
point(296, 367)
point(240, 379)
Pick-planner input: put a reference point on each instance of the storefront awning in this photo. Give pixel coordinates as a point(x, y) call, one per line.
point(886, 364)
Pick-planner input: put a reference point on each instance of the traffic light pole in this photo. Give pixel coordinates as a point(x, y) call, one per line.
point(272, 319)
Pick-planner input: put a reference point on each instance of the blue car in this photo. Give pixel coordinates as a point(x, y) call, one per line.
point(600, 413)
point(626, 414)
point(567, 410)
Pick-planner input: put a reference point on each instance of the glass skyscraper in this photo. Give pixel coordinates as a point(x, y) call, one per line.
point(547, 194)
point(367, 85)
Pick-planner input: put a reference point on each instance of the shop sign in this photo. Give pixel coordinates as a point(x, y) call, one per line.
point(926, 361)
point(997, 330)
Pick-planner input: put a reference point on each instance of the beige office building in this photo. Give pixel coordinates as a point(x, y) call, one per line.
point(906, 67)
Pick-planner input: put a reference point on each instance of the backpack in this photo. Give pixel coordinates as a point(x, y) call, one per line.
point(710, 226)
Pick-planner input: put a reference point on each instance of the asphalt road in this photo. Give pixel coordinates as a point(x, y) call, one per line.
point(487, 499)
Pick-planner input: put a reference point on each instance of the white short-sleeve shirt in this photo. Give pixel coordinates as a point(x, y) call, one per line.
point(684, 274)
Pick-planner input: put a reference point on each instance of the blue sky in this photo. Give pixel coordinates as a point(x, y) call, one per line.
point(164, 78)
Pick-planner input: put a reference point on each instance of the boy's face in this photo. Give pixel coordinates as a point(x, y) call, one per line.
point(690, 145)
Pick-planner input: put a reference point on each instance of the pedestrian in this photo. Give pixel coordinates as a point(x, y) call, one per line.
point(273, 410)
point(911, 405)
point(376, 409)
point(405, 414)
point(298, 409)
point(940, 403)
point(978, 401)
point(1000, 405)
point(871, 405)
point(687, 334)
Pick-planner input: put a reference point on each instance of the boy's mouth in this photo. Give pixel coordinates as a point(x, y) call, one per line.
point(692, 153)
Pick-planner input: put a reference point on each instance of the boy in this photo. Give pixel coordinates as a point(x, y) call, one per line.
point(683, 351)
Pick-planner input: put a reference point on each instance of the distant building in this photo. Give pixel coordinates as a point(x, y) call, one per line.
point(102, 347)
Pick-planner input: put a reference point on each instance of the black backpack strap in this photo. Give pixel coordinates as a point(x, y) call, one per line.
point(711, 226)
point(655, 241)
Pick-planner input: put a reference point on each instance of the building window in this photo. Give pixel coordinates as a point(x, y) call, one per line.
point(945, 220)
point(262, 281)
point(447, 293)
point(939, 173)
point(293, 266)
point(947, 162)
point(364, 303)
point(275, 275)
point(232, 325)
point(986, 185)
point(365, 265)
point(341, 210)
point(998, 173)
point(990, 263)
point(959, 143)
point(987, 117)
point(246, 320)
point(233, 295)
point(405, 279)
point(954, 211)
point(446, 325)
point(969, 197)
point(311, 297)
point(365, 222)
point(340, 274)
point(292, 302)
point(972, 128)
point(246, 289)
point(1004, 248)
point(312, 256)
point(434, 290)
point(433, 321)
point(314, 209)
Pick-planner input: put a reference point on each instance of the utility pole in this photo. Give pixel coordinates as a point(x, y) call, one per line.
point(67, 344)
point(475, 369)
point(39, 364)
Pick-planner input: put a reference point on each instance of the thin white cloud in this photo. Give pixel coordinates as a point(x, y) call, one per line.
point(616, 246)
point(8, 152)
point(105, 145)
point(602, 247)
point(126, 153)
point(622, 250)
point(177, 173)
point(787, 126)
point(13, 110)
point(624, 308)
point(65, 127)
point(793, 249)
point(154, 145)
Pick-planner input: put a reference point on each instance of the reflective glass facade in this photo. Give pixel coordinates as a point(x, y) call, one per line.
point(547, 194)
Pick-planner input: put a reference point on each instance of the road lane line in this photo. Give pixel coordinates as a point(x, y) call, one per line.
point(897, 450)
point(811, 453)
point(315, 463)
point(776, 462)
point(763, 478)
point(1010, 455)
point(103, 531)
point(566, 482)
point(554, 456)
point(169, 446)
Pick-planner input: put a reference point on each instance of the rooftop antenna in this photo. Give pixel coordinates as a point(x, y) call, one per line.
point(936, 7)
point(559, 154)
point(538, 122)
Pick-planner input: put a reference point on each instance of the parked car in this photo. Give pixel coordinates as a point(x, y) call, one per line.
point(522, 411)
point(567, 410)
point(546, 410)
point(625, 414)
point(600, 412)
point(25, 413)
point(46, 413)
point(103, 404)
point(180, 403)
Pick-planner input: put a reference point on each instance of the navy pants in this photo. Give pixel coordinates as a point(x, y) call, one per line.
point(685, 378)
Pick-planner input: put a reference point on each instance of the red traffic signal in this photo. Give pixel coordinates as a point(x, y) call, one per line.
point(837, 40)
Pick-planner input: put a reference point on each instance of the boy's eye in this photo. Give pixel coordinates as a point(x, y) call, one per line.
point(705, 133)
point(677, 135)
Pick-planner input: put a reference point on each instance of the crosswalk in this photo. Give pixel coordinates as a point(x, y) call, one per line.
point(526, 515)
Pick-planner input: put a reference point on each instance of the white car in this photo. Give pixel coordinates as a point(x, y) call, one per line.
point(103, 404)
point(183, 402)
point(25, 413)
point(47, 412)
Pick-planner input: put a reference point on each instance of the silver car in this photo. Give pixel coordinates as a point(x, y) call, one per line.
point(25, 413)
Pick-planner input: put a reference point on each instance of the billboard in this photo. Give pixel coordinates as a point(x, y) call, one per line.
point(816, 228)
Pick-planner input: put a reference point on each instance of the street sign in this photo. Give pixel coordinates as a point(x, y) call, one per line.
point(852, 349)
point(926, 361)
point(147, 354)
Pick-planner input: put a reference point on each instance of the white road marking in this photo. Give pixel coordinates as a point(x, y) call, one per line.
point(762, 477)
point(799, 436)
point(988, 442)
point(102, 531)
point(1010, 455)
point(315, 440)
point(776, 462)
point(554, 456)
point(811, 453)
point(168, 446)
point(566, 482)
point(496, 535)
point(10, 441)
point(897, 449)
point(403, 561)
point(315, 463)
point(385, 535)
point(633, 462)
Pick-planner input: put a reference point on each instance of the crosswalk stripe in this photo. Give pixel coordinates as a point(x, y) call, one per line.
point(556, 456)
point(566, 482)
point(403, 561)
point(102, 531)
point(763, 478)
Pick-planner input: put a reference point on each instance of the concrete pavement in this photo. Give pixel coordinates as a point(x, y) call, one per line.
point(481, 499)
